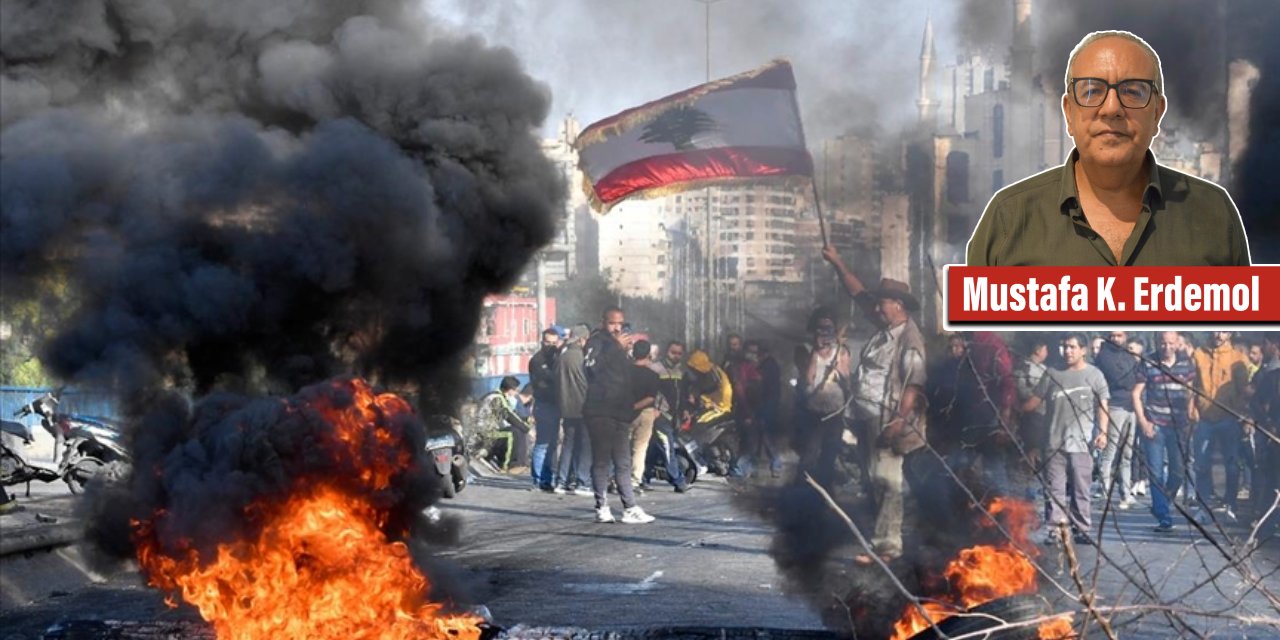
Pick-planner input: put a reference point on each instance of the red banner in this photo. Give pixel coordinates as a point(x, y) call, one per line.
point(1033, 297)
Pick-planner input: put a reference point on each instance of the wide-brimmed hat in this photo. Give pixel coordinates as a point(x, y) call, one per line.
point(897, 290)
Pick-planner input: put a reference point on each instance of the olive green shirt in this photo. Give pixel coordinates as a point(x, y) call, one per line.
point(1185, 221)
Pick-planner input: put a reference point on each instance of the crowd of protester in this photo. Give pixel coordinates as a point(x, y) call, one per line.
point(1182, 426)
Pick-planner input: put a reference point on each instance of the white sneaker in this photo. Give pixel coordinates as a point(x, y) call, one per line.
point(580, 491)
point(636, 515)
point(1125, 504)
point(605, 514)
point(1140, 488)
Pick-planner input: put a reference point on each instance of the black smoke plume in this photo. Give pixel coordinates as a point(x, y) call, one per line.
point(258, 189)
point(255, 196)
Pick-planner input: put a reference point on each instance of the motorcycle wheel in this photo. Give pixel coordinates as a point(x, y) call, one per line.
point(82, 473)
point(459, 474)
point(447, 486)
point(9, 466)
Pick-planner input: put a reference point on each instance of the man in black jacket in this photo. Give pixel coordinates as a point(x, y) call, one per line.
point(546, 410)
point(608, 410)
point(1263, 431)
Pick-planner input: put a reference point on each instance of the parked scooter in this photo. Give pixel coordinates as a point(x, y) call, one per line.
point(90, 448)
point(14, 468)
point(448, 454)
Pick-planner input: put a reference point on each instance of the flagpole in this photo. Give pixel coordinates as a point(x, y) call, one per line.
point(822, 220)
point(711, 303)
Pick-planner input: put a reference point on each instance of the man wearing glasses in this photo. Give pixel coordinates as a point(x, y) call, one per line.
point(1111, 204)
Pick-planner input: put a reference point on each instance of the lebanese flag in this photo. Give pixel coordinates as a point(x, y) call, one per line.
point(745, 127)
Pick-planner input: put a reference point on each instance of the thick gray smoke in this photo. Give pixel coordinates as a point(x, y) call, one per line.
point(262, 188)
point(856, 61)
point(258, 196)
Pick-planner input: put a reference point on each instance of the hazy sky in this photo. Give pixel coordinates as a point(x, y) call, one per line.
point(855, 60)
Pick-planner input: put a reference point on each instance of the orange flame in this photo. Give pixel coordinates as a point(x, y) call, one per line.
point(320, 567)
point(983, 573)
point(1058, 628)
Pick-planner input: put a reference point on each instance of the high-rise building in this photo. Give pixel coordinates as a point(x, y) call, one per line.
point(560, 257)
point(636, 249)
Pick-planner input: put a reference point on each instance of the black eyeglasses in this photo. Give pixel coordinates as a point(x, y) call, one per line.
point(1134, 93)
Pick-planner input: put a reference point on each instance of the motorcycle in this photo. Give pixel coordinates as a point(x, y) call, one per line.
point(448, 454)
point(713, 443)
point(14, 468)
point(658, 466)
point(92, 448)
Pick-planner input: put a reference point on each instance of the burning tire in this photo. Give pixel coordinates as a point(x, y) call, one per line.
point(989, 615)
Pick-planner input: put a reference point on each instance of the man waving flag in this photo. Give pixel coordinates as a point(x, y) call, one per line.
point(745, 127)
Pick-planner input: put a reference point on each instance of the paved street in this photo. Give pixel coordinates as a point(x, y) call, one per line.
point(539, 559)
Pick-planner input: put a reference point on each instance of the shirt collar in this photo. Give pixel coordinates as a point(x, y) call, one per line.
point(1068, 195)
point(895, 332)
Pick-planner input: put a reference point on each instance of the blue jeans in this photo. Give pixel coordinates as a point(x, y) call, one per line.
point(546, 444)
point(1223, 435)
point(1164, 449)
point(663, 425)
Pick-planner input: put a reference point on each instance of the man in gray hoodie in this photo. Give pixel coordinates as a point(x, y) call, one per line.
point(574, 473)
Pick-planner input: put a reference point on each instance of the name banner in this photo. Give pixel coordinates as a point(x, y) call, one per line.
point(1038, 297)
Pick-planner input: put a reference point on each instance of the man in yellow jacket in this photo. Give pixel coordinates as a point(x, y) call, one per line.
point(711, 383)
point(1222, 376)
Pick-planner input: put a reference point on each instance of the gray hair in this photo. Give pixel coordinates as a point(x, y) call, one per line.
point(1131, 37)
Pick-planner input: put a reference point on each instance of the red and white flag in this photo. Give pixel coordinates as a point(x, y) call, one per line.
point(745, 127)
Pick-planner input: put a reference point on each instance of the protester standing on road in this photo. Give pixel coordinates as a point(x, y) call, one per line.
point(769, 409)
point(747, 383)
point(1077, 397)
point(1121, 370)
point(1222, 376)
point(574, 472)
point(1033, 430)
point(1265, 407)
point(985, 395)
point(645, 385)
point(823, 400)
point(546, 410)
point(1163, 405)
point(889, 399)
point(608, 410)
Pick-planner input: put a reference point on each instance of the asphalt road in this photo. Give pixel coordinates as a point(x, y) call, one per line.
point(539, 559)
point(532, 558)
